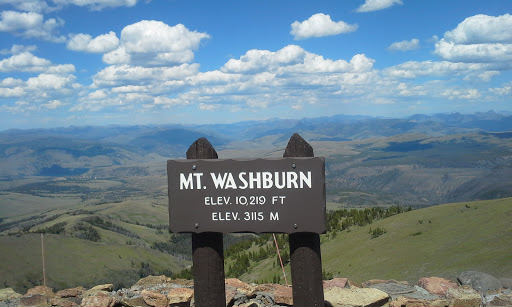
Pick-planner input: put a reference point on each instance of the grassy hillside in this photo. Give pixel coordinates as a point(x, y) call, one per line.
point(72, 262)
point(90, 244)
point(440, 241)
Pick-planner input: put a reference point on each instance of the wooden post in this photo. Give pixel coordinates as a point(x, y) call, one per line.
point(42, 255)
point(207, 249)
point(305, 256)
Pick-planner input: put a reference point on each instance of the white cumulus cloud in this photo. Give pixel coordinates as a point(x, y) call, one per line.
point(479, 38)
point(122, 75)
point(292, 59)
point(27, 62)
point(31, 25)
point(320, 25)
point(154, 43)
point(376, 5)
point(466, 94)
point(405, 45)
point(481, 29)
point(100, 44)
point(97, 4)
point(37, 6)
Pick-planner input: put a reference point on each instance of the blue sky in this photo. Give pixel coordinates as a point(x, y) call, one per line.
point(101, 62)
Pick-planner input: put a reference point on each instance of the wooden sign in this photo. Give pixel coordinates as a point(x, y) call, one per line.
point(261, 195)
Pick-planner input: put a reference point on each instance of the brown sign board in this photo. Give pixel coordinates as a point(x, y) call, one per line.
point(284, 195)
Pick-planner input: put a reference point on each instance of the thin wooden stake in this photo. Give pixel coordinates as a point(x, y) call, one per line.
point(42, 254)
point(305, 256)
point(207, 249)
point(280, 260)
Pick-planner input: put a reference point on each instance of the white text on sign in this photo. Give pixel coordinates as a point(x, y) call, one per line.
point(248, 180)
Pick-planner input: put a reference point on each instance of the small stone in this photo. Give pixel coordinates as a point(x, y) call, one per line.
point(464, 296)
point(356, 297)
point(436, 285)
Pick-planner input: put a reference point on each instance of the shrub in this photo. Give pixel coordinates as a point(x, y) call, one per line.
point(377, 232)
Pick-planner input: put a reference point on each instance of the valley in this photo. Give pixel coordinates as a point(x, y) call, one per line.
point(99, 196)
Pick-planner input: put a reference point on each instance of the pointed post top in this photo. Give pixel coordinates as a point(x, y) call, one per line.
point(298, 147)
point(201, 149)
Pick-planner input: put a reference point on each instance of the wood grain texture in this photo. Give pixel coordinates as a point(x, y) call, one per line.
point(207, 249)
point(305, 255)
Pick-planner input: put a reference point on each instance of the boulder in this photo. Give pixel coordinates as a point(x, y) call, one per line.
point(34, 300)
point(414, 302)
point(135, 301)
point(230, 295)
point(481, 282)
point(282, 295)
point(153, 280)
point(180, 295)
point(396, 290)
point(42, 290)
point(356, 297)
point(336, 282)
point(464, 296)
point(506, 283)
point(98, 301)
point(501, 300)
point(72, 292)
point(371, 282)
point(235, 283)
point(154, 299)
point(252, 304)
point(99, 289)
point(8, 294)
point(56, 301)
point(436, 285)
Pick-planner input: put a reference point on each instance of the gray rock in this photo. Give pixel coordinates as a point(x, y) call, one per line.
point(240, 299)
point(481, 282)
point(14, 302)
point(500, 300)
point(506, 283)
point(395, 290)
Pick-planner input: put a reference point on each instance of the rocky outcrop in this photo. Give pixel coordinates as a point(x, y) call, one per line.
point(474, 289)
point(354, 297)
point(481, 282)
point(436, 285)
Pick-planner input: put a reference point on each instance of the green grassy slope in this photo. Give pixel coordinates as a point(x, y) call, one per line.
point(122, 254)
point(440, 241)
point(72, 262)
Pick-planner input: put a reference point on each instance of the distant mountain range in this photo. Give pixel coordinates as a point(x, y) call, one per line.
point(337, 127)
point(465, 150)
